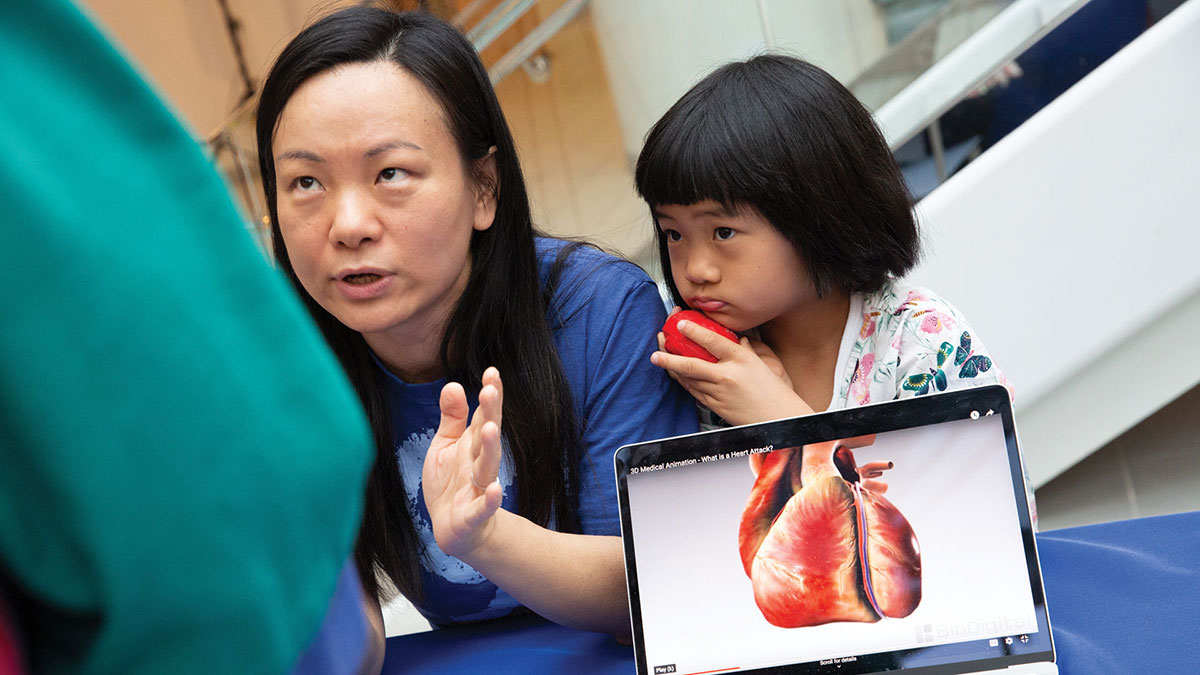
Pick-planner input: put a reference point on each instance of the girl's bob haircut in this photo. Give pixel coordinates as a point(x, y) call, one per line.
point(783, 138)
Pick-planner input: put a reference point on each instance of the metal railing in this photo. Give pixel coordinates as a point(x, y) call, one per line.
point(501, 18)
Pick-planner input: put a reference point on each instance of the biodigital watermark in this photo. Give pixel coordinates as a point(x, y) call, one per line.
point(975, 628)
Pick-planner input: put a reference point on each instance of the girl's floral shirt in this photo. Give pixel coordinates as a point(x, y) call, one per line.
point(909, 342)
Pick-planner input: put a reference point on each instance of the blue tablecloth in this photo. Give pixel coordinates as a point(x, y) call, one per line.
point(1120, 595)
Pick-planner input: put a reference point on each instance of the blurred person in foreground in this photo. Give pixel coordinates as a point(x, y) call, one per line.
point(181, 459)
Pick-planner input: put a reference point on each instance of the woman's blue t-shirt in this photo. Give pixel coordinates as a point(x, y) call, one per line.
point(606, 315)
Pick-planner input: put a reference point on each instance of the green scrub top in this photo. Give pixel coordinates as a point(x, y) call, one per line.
point(182, 461)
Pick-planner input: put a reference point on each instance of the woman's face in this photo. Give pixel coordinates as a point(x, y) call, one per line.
point(376, 205)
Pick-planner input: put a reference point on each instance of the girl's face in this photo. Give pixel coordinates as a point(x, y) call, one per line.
point(734, 266)
point(376, 206)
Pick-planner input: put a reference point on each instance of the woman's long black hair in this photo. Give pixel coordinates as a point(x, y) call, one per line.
point(501, 318)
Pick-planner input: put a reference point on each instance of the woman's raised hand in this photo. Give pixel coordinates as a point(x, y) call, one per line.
point(459, 479)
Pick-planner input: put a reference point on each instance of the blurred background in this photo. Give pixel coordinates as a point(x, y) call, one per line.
point(1047, 143)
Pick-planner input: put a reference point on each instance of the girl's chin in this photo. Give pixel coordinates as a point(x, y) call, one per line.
point(736, 324)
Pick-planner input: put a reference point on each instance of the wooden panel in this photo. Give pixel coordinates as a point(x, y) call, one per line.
point(569, 141)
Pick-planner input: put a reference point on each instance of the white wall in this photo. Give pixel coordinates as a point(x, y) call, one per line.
point(655, 50)
point(1072, 247)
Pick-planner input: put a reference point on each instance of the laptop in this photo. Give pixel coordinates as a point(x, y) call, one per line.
point(890, 537)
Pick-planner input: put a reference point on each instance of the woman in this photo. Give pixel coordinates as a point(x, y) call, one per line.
point(400, 215)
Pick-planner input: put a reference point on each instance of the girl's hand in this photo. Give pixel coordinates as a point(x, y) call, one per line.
point(747, 384)
point(770, 359)
point(459, 478)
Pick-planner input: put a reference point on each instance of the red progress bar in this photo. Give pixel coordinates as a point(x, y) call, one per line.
point(718, 670)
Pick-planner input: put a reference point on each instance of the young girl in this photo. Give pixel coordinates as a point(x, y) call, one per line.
point(781, 214)
point(399, 214)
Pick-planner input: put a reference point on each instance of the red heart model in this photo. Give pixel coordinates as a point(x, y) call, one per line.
point(677, 344)
point(819, 547)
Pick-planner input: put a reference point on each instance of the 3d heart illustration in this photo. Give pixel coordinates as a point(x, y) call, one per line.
point(820, 543)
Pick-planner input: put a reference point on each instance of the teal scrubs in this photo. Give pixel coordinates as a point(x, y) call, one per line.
point(182, 461)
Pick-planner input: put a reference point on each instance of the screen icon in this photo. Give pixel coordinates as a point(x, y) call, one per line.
point(1024, 638)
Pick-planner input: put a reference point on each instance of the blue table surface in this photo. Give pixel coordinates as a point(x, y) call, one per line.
point(1120, 595)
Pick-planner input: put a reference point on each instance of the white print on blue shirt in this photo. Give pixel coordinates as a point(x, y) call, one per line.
point(411, 456)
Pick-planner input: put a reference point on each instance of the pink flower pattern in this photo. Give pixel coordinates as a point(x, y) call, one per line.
point(860, 390)
point(936, 322)
point(868, 325)
point(902, 330)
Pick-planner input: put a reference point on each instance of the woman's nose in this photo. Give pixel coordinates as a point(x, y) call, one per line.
point(354, 221)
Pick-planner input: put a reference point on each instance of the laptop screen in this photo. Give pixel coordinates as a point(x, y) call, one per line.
point(870, 539)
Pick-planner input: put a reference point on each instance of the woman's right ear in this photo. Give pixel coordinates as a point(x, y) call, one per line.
point(487, 185)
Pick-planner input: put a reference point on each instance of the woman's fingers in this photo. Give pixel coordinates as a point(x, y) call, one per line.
point(485, 447)
point(492, 376)
point(484, 468)
point(485, 465)
point(484, 506)
point(453, 423)
point(459, 478)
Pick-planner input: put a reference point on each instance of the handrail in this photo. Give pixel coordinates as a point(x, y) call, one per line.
point(535, 39)
point(243, 109)
point(497, 21)
point(919, 49)
point(969, 65)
